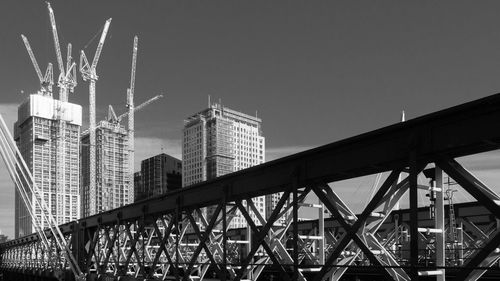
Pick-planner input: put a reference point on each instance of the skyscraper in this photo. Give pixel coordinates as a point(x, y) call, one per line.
point(47, 133)
point(159, 174)
point(114, 185)
point(218, 141)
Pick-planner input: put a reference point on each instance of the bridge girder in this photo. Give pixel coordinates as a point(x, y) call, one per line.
point(163, 236)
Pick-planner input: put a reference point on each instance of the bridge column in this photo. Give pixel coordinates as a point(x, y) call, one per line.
point(321, 232)
point(413, 216)
point(295, 211)
point(224, 237)
point(78, 245)
point(439, 221)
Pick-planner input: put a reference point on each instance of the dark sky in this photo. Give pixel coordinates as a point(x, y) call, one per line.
point(316, 71)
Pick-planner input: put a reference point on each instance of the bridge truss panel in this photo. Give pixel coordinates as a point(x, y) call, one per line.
point(160, 238)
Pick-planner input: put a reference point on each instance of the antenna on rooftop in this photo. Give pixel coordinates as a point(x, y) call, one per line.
point(209, 104)
point(403, 116)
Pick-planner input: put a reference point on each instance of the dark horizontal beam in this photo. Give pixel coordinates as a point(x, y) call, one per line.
point(462, 130)
point(458, 131)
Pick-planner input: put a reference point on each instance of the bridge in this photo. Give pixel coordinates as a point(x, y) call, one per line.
point(170, 238)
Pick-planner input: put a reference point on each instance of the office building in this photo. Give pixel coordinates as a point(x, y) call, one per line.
point(159, 174)
point(137, 185)
point(114, 186)
point(47, 133)
point(218, 141)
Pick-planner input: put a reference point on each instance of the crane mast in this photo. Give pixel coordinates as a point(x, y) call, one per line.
point(130, 105)
point(56, 40)
point(66, 84)
point(88, 72)
point(66, 81)
point(46, 81)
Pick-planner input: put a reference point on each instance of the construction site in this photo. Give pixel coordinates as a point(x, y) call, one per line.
point(71, 173)
point(236, 216)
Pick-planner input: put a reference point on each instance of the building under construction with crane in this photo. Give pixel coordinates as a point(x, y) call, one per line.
point(43, 142)
point(107, 153)
point(77, 174)
point(113, 182)
point(47, 134)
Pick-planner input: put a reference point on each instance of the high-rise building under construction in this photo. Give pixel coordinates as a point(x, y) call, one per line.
point(47, 133)
point(218, 141)
point(114, 184)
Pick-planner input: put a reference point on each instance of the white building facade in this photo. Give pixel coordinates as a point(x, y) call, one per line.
point(219, 141)
point(47, 133)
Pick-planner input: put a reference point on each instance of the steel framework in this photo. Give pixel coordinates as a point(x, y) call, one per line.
point(160, 238)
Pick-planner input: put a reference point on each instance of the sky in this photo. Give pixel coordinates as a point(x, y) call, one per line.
point(314, 71)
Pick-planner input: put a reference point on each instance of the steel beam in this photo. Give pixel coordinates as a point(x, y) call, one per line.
point(440, 224)
point(413, 216)
point(439, 133)
point(436, 137)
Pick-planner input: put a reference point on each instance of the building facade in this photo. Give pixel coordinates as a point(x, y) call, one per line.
point(159, 174)
point(137, 184)
point(114, 185)
point(218, 141)
point(47, 133)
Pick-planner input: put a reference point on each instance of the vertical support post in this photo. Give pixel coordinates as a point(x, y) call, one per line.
point(460, 243)
point(397, 237)
point(76, 247)
point(249, 244)
point(413, 216)
point(143, 231)
point(224, 238)
point(295, 229)
point(321, 232)
point(440, 224)
point(178, 217)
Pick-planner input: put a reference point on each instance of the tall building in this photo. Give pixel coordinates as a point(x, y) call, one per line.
point(114, 186)
point(137, 185)
point(159, 174)
point(218, 141)
point(47, 133)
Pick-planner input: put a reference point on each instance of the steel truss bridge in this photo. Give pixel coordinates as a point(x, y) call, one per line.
point(170, 237)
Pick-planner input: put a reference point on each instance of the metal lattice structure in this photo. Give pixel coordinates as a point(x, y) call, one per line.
point(159, 238)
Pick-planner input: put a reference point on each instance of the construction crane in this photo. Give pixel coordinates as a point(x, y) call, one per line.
point(88, 72)
point(47, 80)
point(67, 77)
point(114, 118)
point(66, 83)
point(130, 105)
point(30, 194)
